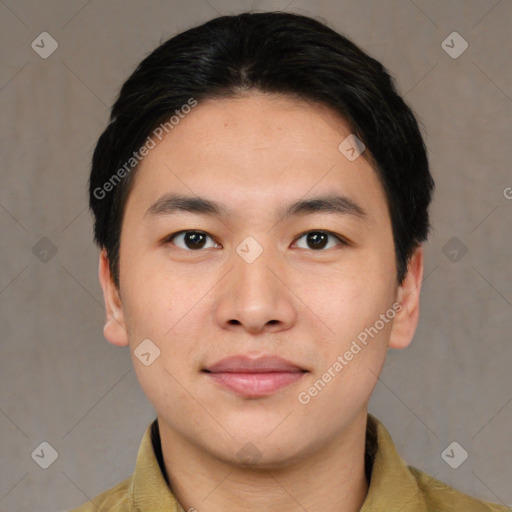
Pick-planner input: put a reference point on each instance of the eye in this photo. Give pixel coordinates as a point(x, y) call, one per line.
point(191, 240)
point(317, 240)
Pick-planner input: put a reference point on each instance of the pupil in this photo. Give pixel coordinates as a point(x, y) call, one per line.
point(194, 240)
point(317, 240)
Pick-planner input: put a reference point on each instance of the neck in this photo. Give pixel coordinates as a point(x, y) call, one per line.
point(329, 479)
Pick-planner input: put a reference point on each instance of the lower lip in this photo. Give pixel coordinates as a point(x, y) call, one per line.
point(255, 384)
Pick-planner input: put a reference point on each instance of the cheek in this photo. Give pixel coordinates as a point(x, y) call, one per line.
point(170, 310)
point(162, 387)
point(155, 299)
point(352, 307)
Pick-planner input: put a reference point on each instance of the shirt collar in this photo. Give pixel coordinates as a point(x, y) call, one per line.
point(392, 485)
point(149, 491)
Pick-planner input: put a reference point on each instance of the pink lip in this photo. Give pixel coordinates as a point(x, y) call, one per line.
point(254, 377)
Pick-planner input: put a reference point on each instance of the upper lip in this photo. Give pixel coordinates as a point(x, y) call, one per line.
point(246, 364)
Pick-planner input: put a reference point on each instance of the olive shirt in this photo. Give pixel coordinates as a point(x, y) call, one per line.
point(394, 486)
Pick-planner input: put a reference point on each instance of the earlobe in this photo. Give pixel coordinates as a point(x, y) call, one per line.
point(114, 329)
point(406, 320)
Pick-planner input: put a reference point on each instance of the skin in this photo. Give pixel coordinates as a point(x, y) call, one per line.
point(255, 154)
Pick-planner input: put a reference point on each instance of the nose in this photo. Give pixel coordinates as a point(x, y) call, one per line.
point(255, 296)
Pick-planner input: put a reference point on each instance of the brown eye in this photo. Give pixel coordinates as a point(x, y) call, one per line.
point(318, 240)
point(191, 240)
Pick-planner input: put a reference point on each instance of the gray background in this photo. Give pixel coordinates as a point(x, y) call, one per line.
point(64, 384)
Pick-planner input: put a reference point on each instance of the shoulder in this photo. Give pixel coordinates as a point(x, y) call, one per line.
point(441, 497)
point(115, 499)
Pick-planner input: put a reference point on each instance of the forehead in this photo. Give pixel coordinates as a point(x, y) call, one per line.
point(256, 151)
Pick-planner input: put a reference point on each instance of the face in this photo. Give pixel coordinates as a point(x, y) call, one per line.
point(244, 273)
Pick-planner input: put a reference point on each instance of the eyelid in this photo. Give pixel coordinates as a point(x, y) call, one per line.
point(168, 239)
point(342, 240)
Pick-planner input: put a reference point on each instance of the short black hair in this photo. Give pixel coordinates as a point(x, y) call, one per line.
point(270, 52)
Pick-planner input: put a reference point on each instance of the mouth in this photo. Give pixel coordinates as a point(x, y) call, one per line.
point(253, 378)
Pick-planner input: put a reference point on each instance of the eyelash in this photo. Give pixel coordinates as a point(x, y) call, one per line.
point(168, 239)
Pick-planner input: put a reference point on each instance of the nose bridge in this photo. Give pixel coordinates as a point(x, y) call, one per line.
point(251, 273)
point(252, 295)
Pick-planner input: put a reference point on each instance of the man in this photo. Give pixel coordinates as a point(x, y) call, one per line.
point(260, 197)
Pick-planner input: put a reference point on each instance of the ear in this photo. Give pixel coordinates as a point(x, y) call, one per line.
point(114, 329)
point(408, 295)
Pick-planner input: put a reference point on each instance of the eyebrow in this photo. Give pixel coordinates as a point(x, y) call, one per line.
point(336, 204)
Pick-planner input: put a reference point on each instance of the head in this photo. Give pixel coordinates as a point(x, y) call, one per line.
point(278, 239)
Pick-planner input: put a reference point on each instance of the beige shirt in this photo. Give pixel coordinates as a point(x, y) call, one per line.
point(394, 486)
